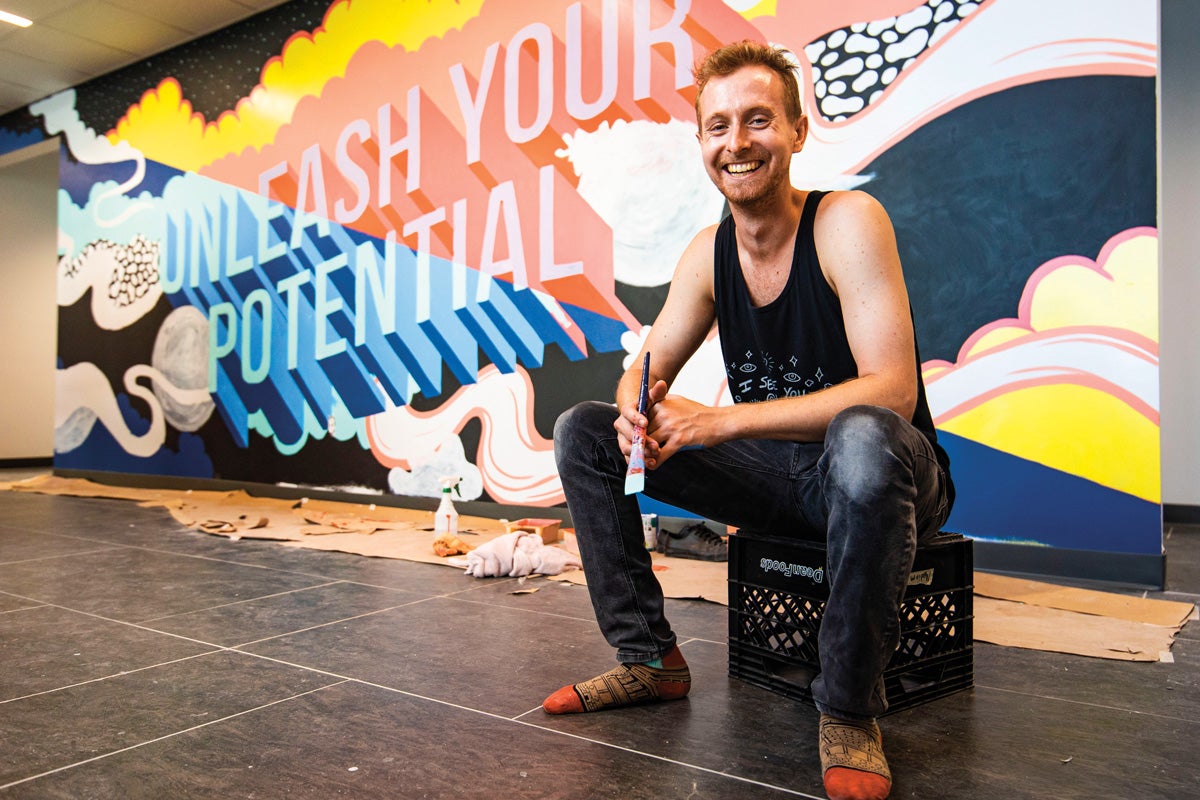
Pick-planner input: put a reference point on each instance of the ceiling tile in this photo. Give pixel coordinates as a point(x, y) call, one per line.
point(197, 18)
point(74, 40)
point(13, 96)
point(84, 55)
point(36, 9)
point(262, 5)
point(117, 27)
point(45, 76)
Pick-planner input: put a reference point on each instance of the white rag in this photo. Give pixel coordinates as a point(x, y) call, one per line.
point(517, 554)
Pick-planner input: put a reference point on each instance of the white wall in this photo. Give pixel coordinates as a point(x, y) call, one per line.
point(28, 309)
point(1179, 241)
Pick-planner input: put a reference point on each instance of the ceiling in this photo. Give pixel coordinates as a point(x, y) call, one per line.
point(72, 41)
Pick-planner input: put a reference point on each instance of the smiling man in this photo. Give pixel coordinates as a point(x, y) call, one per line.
point(829, 437)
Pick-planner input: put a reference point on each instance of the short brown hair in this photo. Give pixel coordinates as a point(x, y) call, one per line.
point(732, 57)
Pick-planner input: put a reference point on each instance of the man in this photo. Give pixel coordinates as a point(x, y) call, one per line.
point(830, 434)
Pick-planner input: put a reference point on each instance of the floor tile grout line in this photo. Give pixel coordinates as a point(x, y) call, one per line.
point(365, 614)
point(215, 645)
point(113, 675)
point(516, 720)
point(579, 618)
point(539, 611)
point(127, 623)
point(1139, 712)
point(216, 648)
point(162, 551)
point(247, 600)
point(57, 556)
point(657, 757)
point(166, 736)
point(39, 603)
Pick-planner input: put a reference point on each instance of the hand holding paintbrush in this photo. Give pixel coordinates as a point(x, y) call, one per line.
point(635, 476)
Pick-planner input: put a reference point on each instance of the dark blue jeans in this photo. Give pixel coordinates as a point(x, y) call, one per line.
point(871, 491)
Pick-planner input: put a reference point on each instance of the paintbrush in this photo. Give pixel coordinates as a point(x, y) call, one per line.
point(635, 476)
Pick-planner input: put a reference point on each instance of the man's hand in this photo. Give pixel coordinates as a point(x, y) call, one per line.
point(630, 418)
point(681, 424)
point(673, 423)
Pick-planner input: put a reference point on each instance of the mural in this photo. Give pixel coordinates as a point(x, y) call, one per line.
point(418, 231)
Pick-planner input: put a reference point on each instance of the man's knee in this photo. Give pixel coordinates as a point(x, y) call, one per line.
point(585, 421)
point(864, 428)
point(863, 447)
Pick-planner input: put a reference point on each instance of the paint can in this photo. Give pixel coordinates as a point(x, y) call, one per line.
point(650, 530)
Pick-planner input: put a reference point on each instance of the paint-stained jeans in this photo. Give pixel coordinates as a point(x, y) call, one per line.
point(871, 490)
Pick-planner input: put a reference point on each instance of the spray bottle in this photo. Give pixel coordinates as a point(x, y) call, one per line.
point(446, 518)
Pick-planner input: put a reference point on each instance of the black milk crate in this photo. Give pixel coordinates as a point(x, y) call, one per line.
point(777, 594)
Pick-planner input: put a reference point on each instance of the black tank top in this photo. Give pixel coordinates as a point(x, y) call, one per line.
point(797, 343)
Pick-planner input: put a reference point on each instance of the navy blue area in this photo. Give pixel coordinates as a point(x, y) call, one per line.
point(983, 196)
point(603, 333)
point(651, 506)
point(1003, 497)
point(100, 452)
point(77, 179)
point(12, 140)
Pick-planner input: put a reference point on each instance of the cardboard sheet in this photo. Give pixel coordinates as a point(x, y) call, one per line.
point(1015, 624)
point(1086, 601)
point(1008, 611)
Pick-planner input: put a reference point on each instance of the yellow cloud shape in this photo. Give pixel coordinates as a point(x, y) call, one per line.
point(1124, 295)
point(1073, 291)
point(165, 128)
point(1072, 426)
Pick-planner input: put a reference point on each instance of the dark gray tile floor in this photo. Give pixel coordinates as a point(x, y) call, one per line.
point(141, 659)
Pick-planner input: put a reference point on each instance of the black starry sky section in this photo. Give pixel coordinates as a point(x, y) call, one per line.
point(21, 121)
point(215, 71)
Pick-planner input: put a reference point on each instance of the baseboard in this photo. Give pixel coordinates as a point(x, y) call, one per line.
point(26, 463)
point(1181, 514)
point(1091, 566)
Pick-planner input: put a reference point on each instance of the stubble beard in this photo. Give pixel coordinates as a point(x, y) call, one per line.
point(749, 195)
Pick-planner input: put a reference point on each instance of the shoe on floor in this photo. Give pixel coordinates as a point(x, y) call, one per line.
point(696, 540)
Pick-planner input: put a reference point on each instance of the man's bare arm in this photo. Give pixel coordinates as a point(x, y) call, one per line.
point(681, 327)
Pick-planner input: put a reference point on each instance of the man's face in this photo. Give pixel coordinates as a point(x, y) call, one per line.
point(745, 137)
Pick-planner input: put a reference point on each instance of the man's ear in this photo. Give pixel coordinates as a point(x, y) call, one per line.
point(801, 133)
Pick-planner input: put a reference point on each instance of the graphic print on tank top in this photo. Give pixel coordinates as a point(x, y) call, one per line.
point(793, 345)
point(764, 376)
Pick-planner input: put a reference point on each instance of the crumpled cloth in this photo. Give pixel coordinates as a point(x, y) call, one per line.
point(517, 554)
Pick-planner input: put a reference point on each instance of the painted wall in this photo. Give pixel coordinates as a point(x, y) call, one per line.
point(1180, 192)
point(419, 231)
point(28, 318)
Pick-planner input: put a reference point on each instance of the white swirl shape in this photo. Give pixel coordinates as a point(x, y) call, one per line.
point(83, 396)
